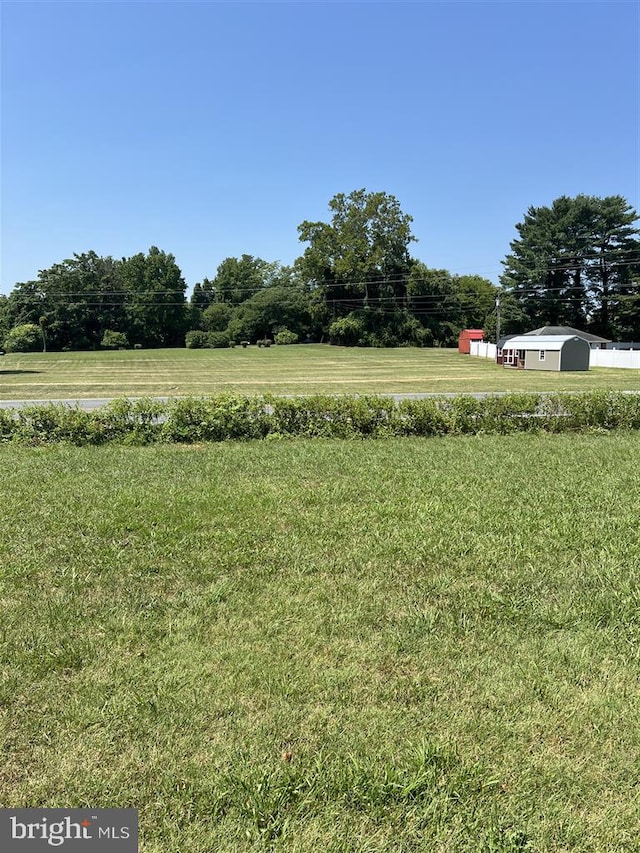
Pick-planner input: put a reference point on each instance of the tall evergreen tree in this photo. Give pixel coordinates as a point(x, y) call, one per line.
point(614, 269)
point(572, 261)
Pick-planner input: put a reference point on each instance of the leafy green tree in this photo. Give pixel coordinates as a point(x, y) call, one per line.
point(270, 310)
point(513, 320)
point(25, 303)
point(23, 338)
point(202, 297)
point(155, 306)
point(476, 299)
point(375, 327)
point(73, 302)
point(238, 279)
point(362, 255)
point(5, 317)
point(203, 294)
point(432, 297)
point(216, 317)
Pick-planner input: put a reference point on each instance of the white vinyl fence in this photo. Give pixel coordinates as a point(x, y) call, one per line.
point(629, 359)
point(615, 358)
point(483, 349)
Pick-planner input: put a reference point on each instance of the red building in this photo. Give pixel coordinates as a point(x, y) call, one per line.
point(468, 335)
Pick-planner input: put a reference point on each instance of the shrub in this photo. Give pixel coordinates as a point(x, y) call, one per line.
point(284, 336)
point(114, 340)
point(131, 421)
point(219, 418)
point(196, 339)
point(24, 338)
point(265, 342)
point(231, 417)
point(347, 332)
point(422, 417)
point(422, 337)
point(218, 340)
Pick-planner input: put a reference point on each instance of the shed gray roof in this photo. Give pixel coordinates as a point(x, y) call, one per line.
point(538, 342)
point(567, 330)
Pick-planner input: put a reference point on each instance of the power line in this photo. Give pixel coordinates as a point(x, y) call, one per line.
point(326, 285)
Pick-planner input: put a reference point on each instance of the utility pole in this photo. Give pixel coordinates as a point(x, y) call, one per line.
point(497, 316)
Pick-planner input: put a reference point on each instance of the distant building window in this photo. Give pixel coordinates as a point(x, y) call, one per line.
point(542, 355)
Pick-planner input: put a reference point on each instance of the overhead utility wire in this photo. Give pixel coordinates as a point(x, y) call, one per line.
point(568, 263)
point(328, 285)
point(465, 298)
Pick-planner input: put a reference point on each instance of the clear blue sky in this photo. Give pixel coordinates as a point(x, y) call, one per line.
point(213, 129)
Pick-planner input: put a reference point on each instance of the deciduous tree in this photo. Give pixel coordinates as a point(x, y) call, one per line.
point(155, 304)
point(362, 255)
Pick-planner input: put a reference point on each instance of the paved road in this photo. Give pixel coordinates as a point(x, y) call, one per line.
point(88, 405)
point(97, 403)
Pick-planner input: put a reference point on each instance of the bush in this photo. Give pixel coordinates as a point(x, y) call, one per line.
point(230, 417)
point(114, 340)
point(218, 340)
point(284, 336)
point(347, 332)
point(24, 338)
point(424, 338)
point(220, 418)
point(265, 342)
point(196, 339)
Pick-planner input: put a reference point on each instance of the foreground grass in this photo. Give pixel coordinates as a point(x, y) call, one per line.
point(442, 635)
point(308, 369)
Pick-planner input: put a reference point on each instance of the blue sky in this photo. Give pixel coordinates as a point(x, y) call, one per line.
point(214, 129)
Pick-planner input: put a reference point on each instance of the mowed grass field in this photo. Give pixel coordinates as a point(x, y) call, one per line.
point(304, 369)
point(395, 645)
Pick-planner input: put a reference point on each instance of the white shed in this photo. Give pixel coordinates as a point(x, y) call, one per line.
point(546, 352)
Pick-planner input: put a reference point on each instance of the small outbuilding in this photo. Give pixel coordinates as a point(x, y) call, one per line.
point(546, 352)
point(465, 338)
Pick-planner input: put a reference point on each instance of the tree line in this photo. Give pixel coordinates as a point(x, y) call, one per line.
point(356, 283)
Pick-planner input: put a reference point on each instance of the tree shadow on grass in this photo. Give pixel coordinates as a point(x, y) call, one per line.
point(14, 372)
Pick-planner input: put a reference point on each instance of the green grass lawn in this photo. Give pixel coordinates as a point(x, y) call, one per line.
point(307, 369)
point(441, 634)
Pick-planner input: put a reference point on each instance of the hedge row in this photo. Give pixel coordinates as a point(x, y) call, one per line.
point(227, 417)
